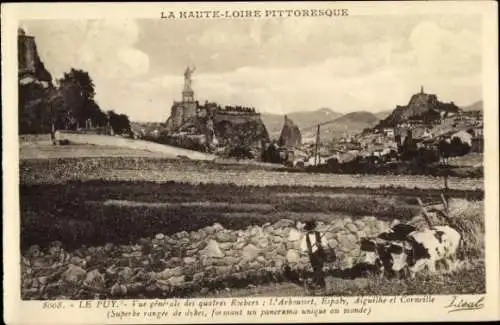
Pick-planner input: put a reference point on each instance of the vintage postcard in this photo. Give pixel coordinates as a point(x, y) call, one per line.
point(250, 162)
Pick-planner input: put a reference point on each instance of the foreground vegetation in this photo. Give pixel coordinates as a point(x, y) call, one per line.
point(97, 212)
point(81, 203)
point(100, 211)
point(469, 279)
point(60, 171)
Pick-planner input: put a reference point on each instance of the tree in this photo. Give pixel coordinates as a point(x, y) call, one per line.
point(458, 147)
point(120, 123)
point(34, 108)
point(77, 90)
point(408, 149)
point(96, 115)
point(44, 109)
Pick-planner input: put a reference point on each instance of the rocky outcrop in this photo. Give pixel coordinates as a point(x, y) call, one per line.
point(226, 131)
point(220, 128)
point(35, 88)
point(30, 66)
point(421, 106)
point(290, 134)
point(243, 130)
point(162, 265)
point(174, 121)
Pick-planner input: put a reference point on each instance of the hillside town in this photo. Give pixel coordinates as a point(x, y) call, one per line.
point(425, 124)
point(424, 130)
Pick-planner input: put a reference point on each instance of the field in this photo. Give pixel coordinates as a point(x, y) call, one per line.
point(469, 279)
point(151, 169)
point(471, 160)
point(94, 143)
point(48, 151)
point(121, 199)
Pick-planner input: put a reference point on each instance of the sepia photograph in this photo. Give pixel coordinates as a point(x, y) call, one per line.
point(159, 161)
point(224, 153)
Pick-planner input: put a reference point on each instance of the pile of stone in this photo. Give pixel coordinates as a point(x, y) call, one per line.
point(166, 266)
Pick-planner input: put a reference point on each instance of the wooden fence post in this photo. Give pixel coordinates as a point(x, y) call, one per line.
point(424, 212)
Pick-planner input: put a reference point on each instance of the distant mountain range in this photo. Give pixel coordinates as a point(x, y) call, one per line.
point(333, 124)
point(303, 119)
point(477, 106)
point(383, 114)
point(348, 124)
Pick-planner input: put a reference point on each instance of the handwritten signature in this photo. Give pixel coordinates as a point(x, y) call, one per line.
point(460, 304)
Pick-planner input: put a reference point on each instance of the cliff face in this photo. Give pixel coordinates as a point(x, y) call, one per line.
point(30, 66)
point(230, 129)
point(34, 87)
point(240, 130)
point(421, 106)
point(174, 121)
point(290, 134)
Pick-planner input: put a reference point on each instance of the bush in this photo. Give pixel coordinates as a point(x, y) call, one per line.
point(468, 218)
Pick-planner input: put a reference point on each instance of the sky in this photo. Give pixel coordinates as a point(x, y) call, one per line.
point(278, 66)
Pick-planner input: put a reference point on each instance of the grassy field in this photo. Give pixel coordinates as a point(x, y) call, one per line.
point(62, 170)
point(468, 279)
point(79, 212)
point(76, 139)
point(93, 200)
point(48, 151)
point(474, 159)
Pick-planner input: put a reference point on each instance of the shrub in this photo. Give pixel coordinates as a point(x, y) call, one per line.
point(468, 218)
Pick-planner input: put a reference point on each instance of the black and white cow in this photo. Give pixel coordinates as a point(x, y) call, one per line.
point(373, 256)
point(374, 250)
point(423, 249)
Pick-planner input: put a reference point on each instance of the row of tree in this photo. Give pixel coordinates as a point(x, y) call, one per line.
point(408, 150)
point(68, 106)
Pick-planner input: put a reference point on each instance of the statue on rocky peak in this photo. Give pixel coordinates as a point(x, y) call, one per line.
point(187, 78)
point(188, 73)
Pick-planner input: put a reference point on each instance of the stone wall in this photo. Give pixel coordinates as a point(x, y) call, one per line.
point(236, 117)
point(25, 139)
point(195, 259)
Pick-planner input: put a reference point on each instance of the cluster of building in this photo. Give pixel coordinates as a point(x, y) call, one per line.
point(433, 123)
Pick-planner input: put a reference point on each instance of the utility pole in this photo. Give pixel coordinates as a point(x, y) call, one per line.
point(316, 148)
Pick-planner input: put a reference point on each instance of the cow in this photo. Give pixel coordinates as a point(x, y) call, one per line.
point(375, 250)
point(373, 256)
point(398, 232)
point(424, 248)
